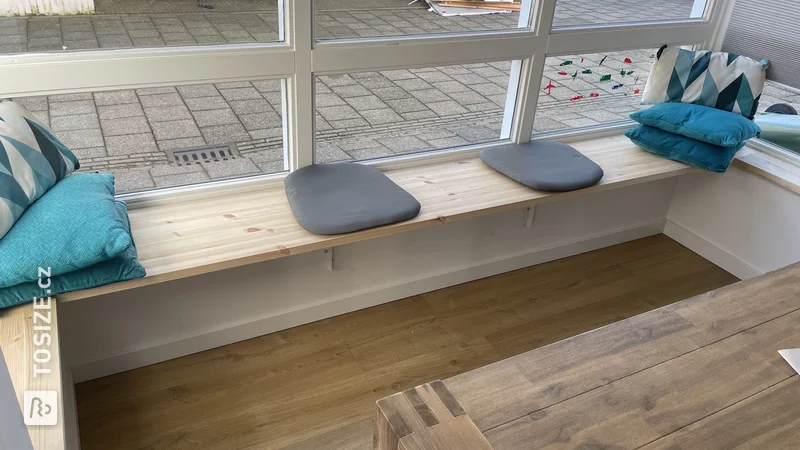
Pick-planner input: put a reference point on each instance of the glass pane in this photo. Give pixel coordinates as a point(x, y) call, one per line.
point(582, 12)
point(114, 24)
point(399, 17)
point(378, 114)
point(170, 136)
point(781, 124)
point(591, 89)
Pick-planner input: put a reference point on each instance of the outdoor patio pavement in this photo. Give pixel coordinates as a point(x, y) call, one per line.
point(359, 116)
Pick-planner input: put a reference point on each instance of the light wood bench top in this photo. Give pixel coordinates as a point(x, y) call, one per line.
point(17, 341)
point(701, 373)
point(206, 235)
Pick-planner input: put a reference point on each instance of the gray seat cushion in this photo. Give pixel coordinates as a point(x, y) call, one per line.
point(342, 198)
point(544, 165)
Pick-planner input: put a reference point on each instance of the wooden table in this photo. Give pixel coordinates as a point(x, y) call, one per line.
point(703, 373)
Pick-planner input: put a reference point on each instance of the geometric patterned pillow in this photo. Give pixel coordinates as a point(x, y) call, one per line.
point(720, 80)
point(32, 160)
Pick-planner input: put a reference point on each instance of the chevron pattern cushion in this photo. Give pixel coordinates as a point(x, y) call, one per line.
point(720, 80)
point(32, 160)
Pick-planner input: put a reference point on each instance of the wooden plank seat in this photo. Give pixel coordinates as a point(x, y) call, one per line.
point(209, 234)
point(34, 362)
point(701, 373)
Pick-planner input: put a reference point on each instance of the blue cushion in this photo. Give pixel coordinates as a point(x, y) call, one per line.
point(74, 226)
point(711, 125)
point(121, 267)
point(32, 160)
point(681, 148)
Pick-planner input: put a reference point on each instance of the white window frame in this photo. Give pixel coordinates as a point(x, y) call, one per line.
point(299, 59)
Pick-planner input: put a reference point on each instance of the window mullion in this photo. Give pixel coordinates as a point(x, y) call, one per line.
point(299, 95)
point(531, 70)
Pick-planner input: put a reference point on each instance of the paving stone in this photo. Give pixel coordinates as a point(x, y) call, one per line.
point(72, 108)
point(546, 124)
point(430, 95)
point(130, 144)
point(381, 116)
point(33, 103)
point(448, 142)
point(205, 103)
point(348, 123)
point(365, 103)
point(250, 106)
point(127, 180)
point(490, 88)
point(404, 144)
point(267, 85)
point(413, 84)
point(167, 113)
point(336, 80)
point(477, 133)
point(450, 86)
point(152, 101)
point(484, 107)
point(329, 100)
point(115, 98)
point(215, 117)
point(416, 115)
point(467, 97)
point(395, 75)
point(175, 129)
point(268, 133)
point(181, 143)
point(70, 97)
point(78, 122)
point(231, 168)
point(406, 105)
point(81, 138)
point(180, 179)
point(198, 90)
point(93, 152)
point(582, 122)
point(355, 90)
point(370, 153)
point(326, 152)
point(271, 154)
point(392, 93)
point(447, 108)
point(240, 93)
point(119, 111)
point(257, 121)
point(331, 113)
point(126, 125)
point(225, 134)
point(375, 82)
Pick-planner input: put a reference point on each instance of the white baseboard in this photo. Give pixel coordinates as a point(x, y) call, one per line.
point(711, 252)
point(281, 320)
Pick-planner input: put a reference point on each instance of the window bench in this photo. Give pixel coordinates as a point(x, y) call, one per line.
point(211, 234)
point(17, 341)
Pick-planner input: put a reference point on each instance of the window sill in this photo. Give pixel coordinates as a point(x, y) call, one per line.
point(776, 170)
point(202, 235)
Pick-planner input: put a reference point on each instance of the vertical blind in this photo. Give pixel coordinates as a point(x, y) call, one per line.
point(768, 29)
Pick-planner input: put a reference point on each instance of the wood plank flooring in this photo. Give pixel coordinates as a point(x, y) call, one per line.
point(314, 387)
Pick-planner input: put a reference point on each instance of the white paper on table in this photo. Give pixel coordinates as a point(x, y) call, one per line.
point(13, 432)
point(792, 356)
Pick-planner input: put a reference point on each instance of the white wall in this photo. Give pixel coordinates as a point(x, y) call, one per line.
point(48, 7)
point(737, 220)
point(131, 329)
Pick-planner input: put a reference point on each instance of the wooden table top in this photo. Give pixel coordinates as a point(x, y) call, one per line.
point(703, 373)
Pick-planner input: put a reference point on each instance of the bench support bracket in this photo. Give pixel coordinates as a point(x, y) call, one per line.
point(531, 212)
point(328, 252)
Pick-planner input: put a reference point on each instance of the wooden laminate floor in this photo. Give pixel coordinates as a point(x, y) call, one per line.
point(314, 387)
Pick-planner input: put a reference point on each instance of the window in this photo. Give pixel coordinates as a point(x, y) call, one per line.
point(377, 114)
point(591, 89)
point(778, 115)
point(141, 88)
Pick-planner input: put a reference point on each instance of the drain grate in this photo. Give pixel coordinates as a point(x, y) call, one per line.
point(197, 155)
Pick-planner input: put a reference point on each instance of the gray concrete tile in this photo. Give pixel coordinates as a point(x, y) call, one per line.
point(267, 85)
point(198, 90)
point(404, 144)
point(79, 122)
point(225, 134)
point(329, 100)
point(406, 105)
point(115, 98)
point(416, 115)
point(119, 111)
point(447, 108)
point(365, 103)
point(477, 133)
point(381, 116)
point(175, 129)
point(392, 93)
point(33, 103)
point(429, 95)
point(162, 170)
point(348, 123)
point(448, 142)
point(180, 179)
point(258, 121)
point(72, 108)
point(467, 97)
point(266, 133)
point(326, 152)
point(413, 84)
point(370, 153)
point(331, 113)
point(125, 125)
point(167, 113)
point(130, 144)
point(81, 138)
point(181, 143)
point(250, 106)
point(395, 75)
point(157, 100)
point(70, 97)
point(205, 103)
point(240, 93)
point(127, 180)
point(86, 153)
point(232, 168)
point(215, 117)
point(355, 90)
